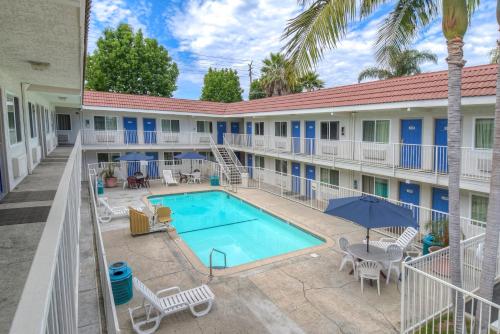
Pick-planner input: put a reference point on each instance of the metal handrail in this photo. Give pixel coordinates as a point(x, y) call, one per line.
point(224, 167)
point(220, 252)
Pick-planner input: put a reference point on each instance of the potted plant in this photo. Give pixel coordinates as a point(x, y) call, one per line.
point(108, 174)
point(438, 230)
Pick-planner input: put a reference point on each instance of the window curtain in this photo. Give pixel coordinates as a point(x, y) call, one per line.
point(381, 188)
point(479, 208)
point(367, 186)
point(484, 133)
point(368, 131)
point(382, 135)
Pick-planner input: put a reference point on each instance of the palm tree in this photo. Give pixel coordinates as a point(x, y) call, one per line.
point(325, 22)
point(489, 265)
point(494, 55)
point(401, 63)
point(278, 77)
point(310, 82)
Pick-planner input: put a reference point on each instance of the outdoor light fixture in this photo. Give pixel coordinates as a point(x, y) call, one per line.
point(39, 65)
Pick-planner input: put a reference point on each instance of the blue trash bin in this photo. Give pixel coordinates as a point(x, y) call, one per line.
point(428, 241)
point(214, 180)
point(100, 187)
point(120, 275)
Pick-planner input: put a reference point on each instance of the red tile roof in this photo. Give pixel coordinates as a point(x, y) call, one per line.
point(476, 81)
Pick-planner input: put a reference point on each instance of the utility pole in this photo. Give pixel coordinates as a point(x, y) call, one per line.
point(250, 71)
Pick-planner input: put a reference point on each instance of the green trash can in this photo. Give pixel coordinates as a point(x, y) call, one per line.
point(214, 180)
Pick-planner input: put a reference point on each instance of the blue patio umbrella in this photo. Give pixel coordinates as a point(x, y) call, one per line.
point(134, 157)
point(190, 156)
point(371, 212)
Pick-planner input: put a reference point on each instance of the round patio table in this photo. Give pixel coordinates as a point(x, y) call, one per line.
point(376, 254)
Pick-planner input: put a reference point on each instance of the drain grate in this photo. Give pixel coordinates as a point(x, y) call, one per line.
point(24, 215)
point(29, 196)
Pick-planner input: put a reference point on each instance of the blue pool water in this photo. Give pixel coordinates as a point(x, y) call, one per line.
point(215, 219)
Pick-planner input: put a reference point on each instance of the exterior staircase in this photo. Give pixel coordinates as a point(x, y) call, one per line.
point(230, 164)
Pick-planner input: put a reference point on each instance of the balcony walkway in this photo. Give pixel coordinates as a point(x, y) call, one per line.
point(23, 213)
point(301, 294)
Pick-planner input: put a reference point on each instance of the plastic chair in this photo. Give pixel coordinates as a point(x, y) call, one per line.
point(347, 257)
point(369, 270)
point(395, 256)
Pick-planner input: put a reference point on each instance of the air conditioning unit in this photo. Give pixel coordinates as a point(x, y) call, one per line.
point(373, 154)
point(484, 165)
point(18, 166)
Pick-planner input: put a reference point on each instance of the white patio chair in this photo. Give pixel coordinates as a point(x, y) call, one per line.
point(111, 212)
point(403, 241)
point(196, 177)
point(369, 270)
point(394, 258)
point(168, 178)
point(346, 257)
point(122, 174)
point(174, 300)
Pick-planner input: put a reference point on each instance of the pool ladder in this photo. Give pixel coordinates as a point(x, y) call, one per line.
point(217, 267)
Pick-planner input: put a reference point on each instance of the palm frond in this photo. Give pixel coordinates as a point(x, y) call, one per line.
point(402, 25)
point(319, 27)
point(374, 73)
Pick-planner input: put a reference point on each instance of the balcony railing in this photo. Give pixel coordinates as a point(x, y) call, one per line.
point(476, 163)
point(110, 138)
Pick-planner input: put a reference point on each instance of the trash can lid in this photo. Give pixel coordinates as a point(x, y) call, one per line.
point(119, 271)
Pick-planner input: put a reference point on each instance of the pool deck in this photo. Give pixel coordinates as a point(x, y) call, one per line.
point(298, 294)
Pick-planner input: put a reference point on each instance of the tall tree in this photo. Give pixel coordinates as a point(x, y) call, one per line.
point(490, 256)
point(221, 86)
point(126, 62)
point(278, 75)
point(495, 56)
point(324, 23)
point(400, 63)
point(309, 82)
point(257, 91)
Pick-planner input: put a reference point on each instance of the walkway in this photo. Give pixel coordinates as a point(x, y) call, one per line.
point(23, 213)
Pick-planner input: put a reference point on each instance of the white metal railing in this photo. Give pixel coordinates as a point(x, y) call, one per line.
point(112, 324)
point(110, 138)
point(432, 159)
point(429, 301)
point(230, 178)
point(316, 194)
point(49, 300)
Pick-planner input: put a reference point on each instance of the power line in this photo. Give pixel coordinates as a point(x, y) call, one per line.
point(217, 57)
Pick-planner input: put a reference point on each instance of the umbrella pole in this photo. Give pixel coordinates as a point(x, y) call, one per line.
point(367, 240)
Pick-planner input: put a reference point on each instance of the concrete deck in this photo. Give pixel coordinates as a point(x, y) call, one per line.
point(301, 294)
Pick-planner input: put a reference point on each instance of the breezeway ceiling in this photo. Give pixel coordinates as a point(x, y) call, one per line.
point(44, 31)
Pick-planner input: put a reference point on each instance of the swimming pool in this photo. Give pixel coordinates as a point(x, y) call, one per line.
point(216, 219)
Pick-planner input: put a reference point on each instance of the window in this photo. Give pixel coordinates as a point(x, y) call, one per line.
point(259, 162)
point(32, 116)
point(169, 158)
point(329, 176)
point(280, 129)
point(63, 122)
point(204, 126)
point(375, 186)
point(483, 133)
point(47, 122)
point(281, 166)
point(170, 125)
point(259, 128)
point(376, 131)
point(52, 121)
point(479, 208)
point(14, 119)
point(105, 123)
point(207, 155)
point(107, 157)
point(329, 130)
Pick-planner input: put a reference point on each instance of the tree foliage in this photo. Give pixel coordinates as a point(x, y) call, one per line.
point(221, 86)
point(278, 75)
point(400, 63)
point(310, 82)
point(257, 91)
point(126, 62)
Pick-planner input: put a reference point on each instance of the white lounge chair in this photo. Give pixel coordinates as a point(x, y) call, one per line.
point(111, 212)
point(403, 241)
point(168, 178)
point(155, 307)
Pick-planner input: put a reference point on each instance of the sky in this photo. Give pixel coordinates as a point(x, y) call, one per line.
point(232, 33)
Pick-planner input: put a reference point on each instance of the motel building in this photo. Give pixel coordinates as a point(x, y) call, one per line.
point(385, 138)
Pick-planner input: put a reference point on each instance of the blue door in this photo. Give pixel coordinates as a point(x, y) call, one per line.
point(133, 167)
point(295, 136)
point(296, 177)
point(130, 126)
point(152, 165)
point(310, 136)
point(439, 203)
point(410, 193)
point(221, 130)
point(250, 164)
point(441, 145)
point(249, 133)
point(411, 143)
point(310, 175)
point(149, 131)
point(235, 127)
